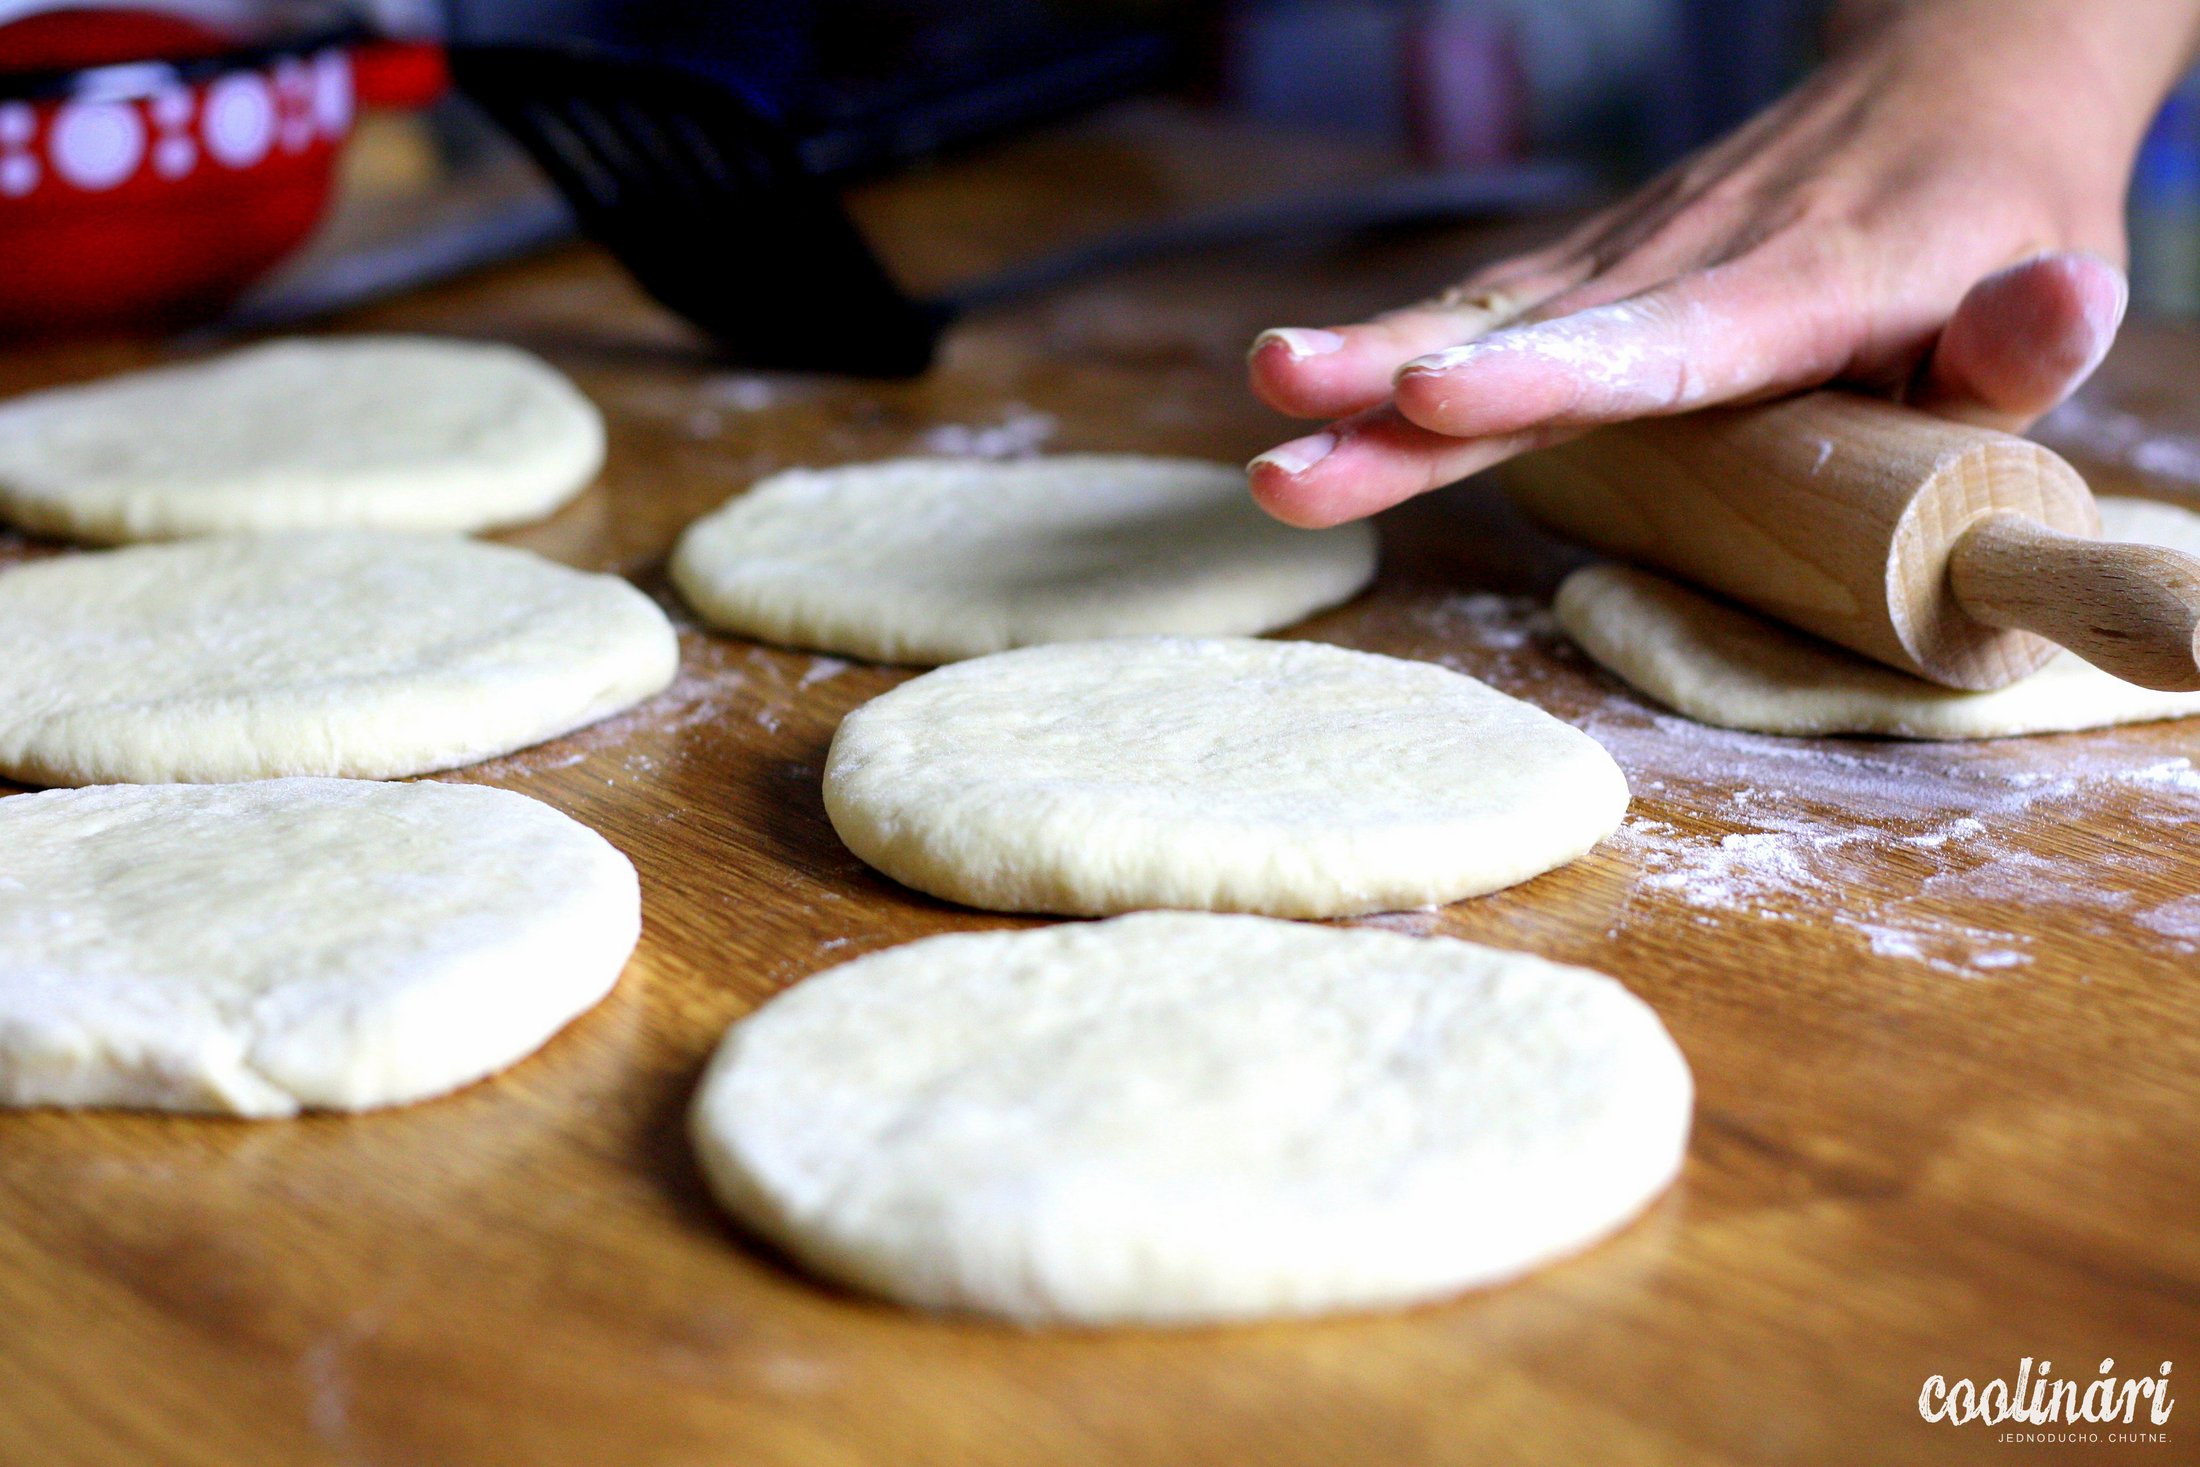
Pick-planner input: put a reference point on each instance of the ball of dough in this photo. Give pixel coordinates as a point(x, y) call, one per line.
point(366, 432)
point(1721, 665)
point(934, 560)
point(339, 652)
point(1170, 1118)
point(257, 949)
point(1290, 778)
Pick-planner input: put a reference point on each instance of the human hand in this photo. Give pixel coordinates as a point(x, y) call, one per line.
point(1910, 221)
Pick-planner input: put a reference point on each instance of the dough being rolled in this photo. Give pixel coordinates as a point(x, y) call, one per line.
point(1171, 1117)
point(1722, 665)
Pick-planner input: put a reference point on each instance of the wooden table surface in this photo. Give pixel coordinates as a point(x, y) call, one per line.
point(1941, 1003)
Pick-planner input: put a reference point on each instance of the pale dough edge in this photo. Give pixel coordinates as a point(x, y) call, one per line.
point(407, 1048)
point(443, 500)
point(117, 750)
point(757, 614)
point(411, 1051)
point(887, 1274)
point(756, 1212)
point(797, 616)
point(923, 857)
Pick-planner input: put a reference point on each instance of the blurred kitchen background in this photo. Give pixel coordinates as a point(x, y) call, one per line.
point(860, 87)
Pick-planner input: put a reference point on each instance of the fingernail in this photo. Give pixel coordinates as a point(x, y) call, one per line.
point(1299, 455)
point(1301, 341)
point(1441, 361)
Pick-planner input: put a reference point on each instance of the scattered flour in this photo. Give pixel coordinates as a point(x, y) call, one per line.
point(2179, 919)
point(1923, 853)
point(1021, 433)
point(1604, 350)
point(704, 410)
point(1489, 621)
point(741, 392)
point(2123, 438)
point(1414, 922)
point(720, 681)
point(1913, 847)
point(821, 670)
point(1920, 851)
point(706, 691)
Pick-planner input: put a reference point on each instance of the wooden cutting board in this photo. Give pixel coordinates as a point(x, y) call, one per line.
point(1943, 1005)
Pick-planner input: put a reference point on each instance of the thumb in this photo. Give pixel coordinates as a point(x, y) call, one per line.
point(2023, 339)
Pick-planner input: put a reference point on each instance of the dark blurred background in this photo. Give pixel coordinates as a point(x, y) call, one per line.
point(120, 172)
point(1624, 84)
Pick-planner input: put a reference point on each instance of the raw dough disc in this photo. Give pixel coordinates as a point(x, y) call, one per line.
point(1725, 666)
point(933, 560)
point(369, 432)
point(1291, 778)
point(294, 943)
point(338, 652)
point(1172, 1117)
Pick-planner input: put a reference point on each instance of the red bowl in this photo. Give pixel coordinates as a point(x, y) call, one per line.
point(150, 168)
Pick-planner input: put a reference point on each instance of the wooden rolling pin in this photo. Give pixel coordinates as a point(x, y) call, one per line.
point(1956, 553)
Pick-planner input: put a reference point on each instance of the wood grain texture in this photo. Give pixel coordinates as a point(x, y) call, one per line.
point(2132, 610)
point(1944, 1025)
point(1832, 512)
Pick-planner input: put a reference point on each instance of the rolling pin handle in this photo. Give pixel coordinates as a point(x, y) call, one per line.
point(2131, 610)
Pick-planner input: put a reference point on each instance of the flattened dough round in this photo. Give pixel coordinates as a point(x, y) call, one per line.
point(1177, 1117)
point(935, 560)
point(1290, 778)
point(1722, 665)
point(365, 432)
point(258, 949)
point(339, 652)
